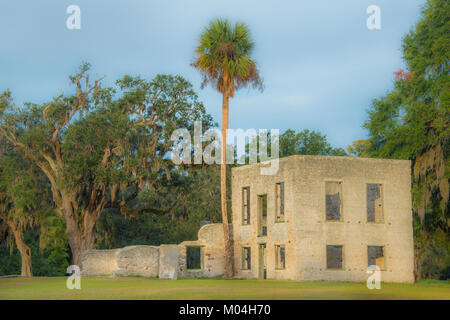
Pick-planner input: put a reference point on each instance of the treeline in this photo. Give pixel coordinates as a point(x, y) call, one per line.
point(412, 122)
point(93, 170)
point(91, 152)
point(165, 210)
point(90, 169)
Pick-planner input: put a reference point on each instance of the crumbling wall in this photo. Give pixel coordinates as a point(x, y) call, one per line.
point(165, 261)
point(137, 261)
point(128, 261)
point(168, 261)
point(211, 241)
point(98, 262)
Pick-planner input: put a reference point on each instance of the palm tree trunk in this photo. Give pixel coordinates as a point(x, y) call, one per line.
point(24, 250)
point(223, 192)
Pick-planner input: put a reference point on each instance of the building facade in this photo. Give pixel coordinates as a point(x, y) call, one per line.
point(323, 218)
point(317, 218)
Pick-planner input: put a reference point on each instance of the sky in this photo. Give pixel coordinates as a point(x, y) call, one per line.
point(320, 63)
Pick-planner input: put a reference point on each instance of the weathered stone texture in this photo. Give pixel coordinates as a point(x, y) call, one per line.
point(306, 232)
point(128, 261)
point(168, 261)
point(165, 261)
point(138, 261)
point(211, 241)
point(98, 262)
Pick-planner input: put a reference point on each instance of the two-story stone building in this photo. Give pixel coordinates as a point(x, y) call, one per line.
point(317, 218)
point(323, 218)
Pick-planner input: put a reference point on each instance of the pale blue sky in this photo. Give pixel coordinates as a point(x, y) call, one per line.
point(321, 65)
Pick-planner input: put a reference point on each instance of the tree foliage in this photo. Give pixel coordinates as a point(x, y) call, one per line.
point(412, 122)
point(24, 201)
point(100, 146)
point(223, 57)
point(308, 143)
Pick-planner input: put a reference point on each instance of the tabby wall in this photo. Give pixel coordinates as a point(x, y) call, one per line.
point(306, 232)
point(165, 261)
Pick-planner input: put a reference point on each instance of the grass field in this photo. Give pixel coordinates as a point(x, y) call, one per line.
point(144, 288)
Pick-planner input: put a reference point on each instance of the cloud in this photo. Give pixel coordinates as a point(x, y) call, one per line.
point(296, 100)
point(320, 64)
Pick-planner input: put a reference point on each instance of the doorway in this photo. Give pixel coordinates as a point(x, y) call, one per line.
point(262, 266)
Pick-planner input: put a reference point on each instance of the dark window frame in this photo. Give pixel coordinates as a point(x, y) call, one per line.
point(262, 207)
point(328, 199)
point(246, 206)
point(383, 251)
point(200, 257)
point(280, 203)
point(282, 258)
point(246, 259)
point(371, 217)
point(328, 258)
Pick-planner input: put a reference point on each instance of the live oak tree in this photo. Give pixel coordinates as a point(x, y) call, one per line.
point(223, 58)
point(100, 146)
point(24, 201)
point(412, 122)
point(193, 199)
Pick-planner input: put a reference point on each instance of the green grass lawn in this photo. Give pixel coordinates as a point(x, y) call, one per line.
point(144, 288)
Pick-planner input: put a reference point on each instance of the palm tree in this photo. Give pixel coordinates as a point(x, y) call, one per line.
point(223, 58)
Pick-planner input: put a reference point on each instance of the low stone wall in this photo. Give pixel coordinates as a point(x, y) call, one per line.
point(211, 241)
point(129, 261)
point(98, 262)
point(165, 261)
point(137, 261)
point(168, 261)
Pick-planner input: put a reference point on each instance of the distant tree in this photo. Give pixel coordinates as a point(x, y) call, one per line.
point(223, 58)
point(415, 115)
point(359, 148)
point(307, 142)
point(412, 122)
point(190, 200)
point(100, 146)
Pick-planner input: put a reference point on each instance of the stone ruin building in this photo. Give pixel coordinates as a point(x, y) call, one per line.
point(317, 218)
